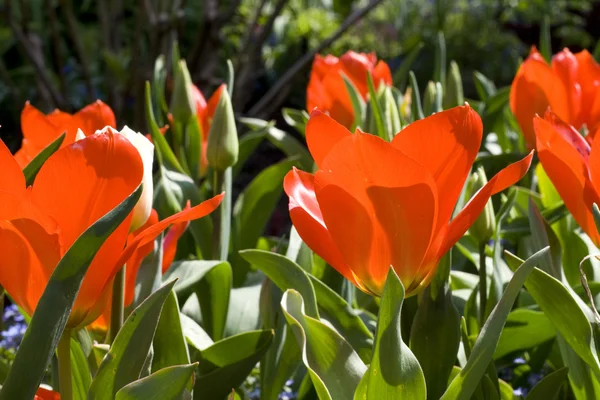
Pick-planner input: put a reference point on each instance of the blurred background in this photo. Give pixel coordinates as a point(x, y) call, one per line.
point(66, 53)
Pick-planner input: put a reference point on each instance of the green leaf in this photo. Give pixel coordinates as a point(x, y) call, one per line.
point(288, 144)
point(524, 329)
point(213, 293)
point(391, 112)
point(334, 367)
point(123, 363)
point(243, 313)
point(484, 86)
point(344, 318)
point(54, 307)
point(415, 104)
point(358, 104)
point(286, 274)
point(189, 274)
point(394, 372)
point(545, 39)
point(549, 387)
point(193, 146)
point(453, 91)
point(169, 344)
point(565, 312)
point(376, 112)
point(435, 338)
point(166, 384)
point(194, 335)
point(226, 364)
point(247, 146)
point(164, 154)
point(31, 170)
point(464, 385)
point(296, 119)
point(401, 75)
point(80, 371)
point(253, 209)
point(439, 68)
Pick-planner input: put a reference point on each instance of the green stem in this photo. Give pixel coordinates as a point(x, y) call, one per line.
point(217, 249)
point(482, 284)
point(64, 366)
point(117, 306)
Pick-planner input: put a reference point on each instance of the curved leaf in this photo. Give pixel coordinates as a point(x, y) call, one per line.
point(31, 170)
point(166, 384)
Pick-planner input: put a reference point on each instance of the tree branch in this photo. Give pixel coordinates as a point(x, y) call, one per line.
point(308, 57)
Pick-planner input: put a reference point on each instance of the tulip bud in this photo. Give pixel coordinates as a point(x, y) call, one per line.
point(143, 208)
point(453, 95)
point(429, 99)
point(183, 106)
point(483, 227)
point(222, 148)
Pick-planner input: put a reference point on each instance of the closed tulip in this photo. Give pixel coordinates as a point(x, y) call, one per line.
point(74, 188)
point(327, 90)
point(570, 86)
point(373, 205)
point(573, 166)
point(39, 130)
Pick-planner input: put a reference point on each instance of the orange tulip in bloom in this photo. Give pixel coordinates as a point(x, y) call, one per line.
point(327, 90)
point(39, 130)
point(373, 205)
point(570, 86)
point(135, 260)
point(74, 188)
point(573, 166)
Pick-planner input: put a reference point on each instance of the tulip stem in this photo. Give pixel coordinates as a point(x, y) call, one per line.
point(482, 284)
point(222, 216)
point(64, 366)
point(117, 305)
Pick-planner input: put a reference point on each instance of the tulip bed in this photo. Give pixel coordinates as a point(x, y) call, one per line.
point(439, 247)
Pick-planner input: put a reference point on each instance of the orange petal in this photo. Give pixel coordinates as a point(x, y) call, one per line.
point(382, 74)
point(46, 394)
point(446, 144)
point(376, 218)
point(12, 184)
point(170, 243)
point(564, 64)
point(502, 180)
point(91, 118)
point(569, 134)
point(29, 256)
point(39, 131)
point(356, 66)
point(589, 80)
point(340, 104)
point(322, 134)
point(81, 183)
point(200, 103)
point(534, 88)
point(308, 220)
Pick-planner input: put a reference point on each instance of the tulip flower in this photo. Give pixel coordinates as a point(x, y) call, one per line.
point(40, 130)
point(143, 208)
point(327, 90)
point(75, 187)
point(205, 112)
point(570, 86)
point(135, 260)
point(373, 205)
point(573, 166)
point(46, 394)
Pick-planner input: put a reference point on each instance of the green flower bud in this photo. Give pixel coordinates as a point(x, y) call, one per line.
point(429, 99)
point(182, 99)
point(483, 227)
point(222, 148)
point(453, 95)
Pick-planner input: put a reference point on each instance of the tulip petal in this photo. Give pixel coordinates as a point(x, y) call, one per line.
point(91, 118)
point(568, 172)
point(170, 244)
point(501, 181)
point(446, 144)
point(339, 103)
point(29, 256)
point(376, 218)
point(322, 134)
point(12, 185)
point(534, 88)
point(81, 183)
point(564, 64)
point(589, 80)
point(46, 394)
point(570, 135)
point(382, 74)
point(308, 220)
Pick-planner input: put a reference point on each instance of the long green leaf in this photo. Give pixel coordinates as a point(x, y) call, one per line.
point(376, 112)
point(127, 355)
point(80, 371)
point(394, 372)
point(54, 307)
point(31, 170)
point(416, 106)
point(169, 344)
point(549, 387)
point(188, 275)
point(166, 384)
point(334, 367)
point(464, 385)
point(358, 104)
point(214, 293)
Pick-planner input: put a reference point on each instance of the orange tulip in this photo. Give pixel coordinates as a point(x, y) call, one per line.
point(204, 113)
point(46, 394)
point(74, 188)
point(573, 166)
point(374, 204)
point(135, 260)
point(40, 130)
point(570, 87)
point(327, 90)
